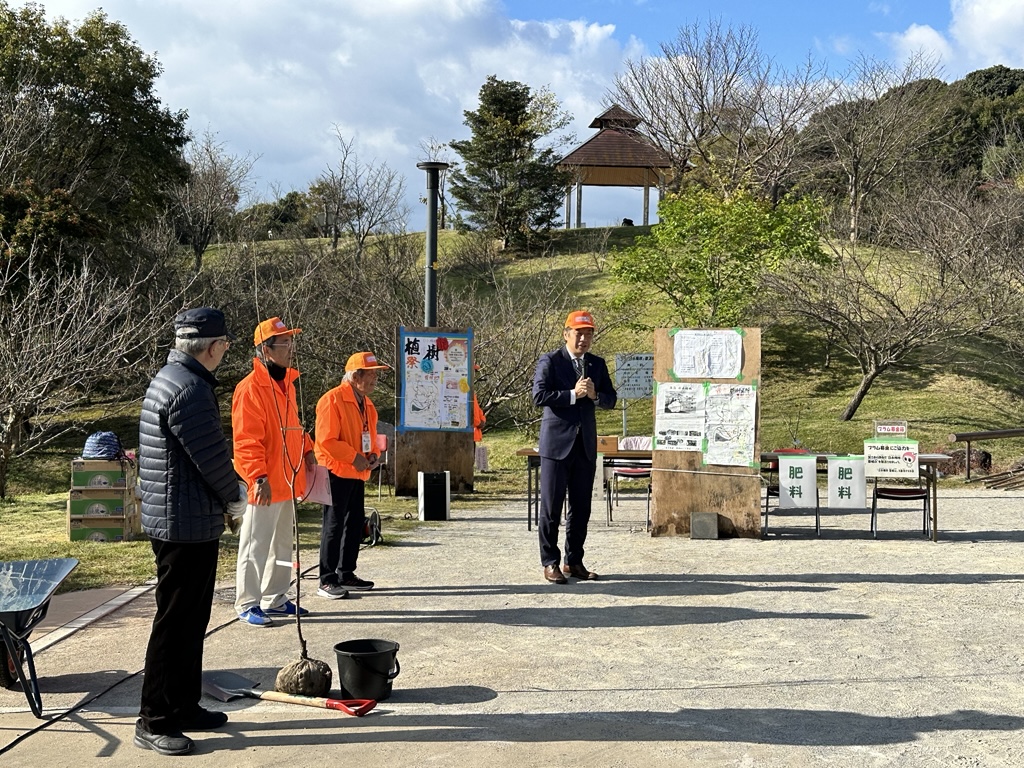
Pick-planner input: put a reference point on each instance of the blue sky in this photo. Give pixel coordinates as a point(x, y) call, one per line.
point(276, 79)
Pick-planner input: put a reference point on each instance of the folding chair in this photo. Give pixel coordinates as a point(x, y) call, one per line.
point(901, 493)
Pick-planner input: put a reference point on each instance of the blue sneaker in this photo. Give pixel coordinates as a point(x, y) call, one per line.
point(287, 608)
point(256, 617)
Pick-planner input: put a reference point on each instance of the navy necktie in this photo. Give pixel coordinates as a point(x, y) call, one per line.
point(577, 363)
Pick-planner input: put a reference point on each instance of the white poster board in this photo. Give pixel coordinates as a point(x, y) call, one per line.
point(890, 458)
point(798, 482)
point(707, 354)
point(847, 488)
point(679, 417)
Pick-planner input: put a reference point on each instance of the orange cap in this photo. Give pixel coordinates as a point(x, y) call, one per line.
point(363, 361)
point(579, 319)
point(268, 329)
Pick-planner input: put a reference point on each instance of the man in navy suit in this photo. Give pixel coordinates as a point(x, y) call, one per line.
point(568, 384)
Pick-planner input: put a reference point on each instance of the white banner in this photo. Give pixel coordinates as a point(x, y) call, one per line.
point(798, 481)
point(847, 488)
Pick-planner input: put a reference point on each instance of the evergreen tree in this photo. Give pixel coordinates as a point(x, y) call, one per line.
point(509, 185)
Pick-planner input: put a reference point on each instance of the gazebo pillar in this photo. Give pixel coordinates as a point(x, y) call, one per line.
point(579, 204)
point(568, 206)
point(647, 197)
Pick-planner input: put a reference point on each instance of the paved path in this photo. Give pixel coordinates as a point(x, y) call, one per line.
point(840, 651)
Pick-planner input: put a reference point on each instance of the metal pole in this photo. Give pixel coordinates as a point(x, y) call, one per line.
point(430, 281)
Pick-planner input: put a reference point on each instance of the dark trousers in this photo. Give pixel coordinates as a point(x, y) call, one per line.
point(573, 475)
point(342, 532)
point(185, 575)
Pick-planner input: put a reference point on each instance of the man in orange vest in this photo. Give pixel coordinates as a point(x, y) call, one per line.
point(479, 419)
point(346, 439)
point(270, 448)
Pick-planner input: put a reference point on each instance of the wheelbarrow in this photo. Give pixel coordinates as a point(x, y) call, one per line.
point(26, 587)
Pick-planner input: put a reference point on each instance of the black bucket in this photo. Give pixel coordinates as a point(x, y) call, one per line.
point(366, 668)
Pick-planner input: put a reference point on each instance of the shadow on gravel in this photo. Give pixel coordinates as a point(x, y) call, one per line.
point(632, 585)
point(751, 726)
point(576, 617)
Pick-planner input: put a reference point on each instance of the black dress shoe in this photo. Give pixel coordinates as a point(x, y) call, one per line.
point(203, 720)
point(553, 574)
point(174, 743)
point(579, 572)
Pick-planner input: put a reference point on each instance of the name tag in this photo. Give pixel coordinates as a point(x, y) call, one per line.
point(367, 445)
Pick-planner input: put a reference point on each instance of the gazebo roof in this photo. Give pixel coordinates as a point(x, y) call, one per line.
point(617, 155)
point(615, 117)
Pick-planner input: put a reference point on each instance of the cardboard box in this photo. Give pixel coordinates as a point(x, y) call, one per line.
point(607, 444)
point(108, 528)
point(96, 473)
point(100, 503)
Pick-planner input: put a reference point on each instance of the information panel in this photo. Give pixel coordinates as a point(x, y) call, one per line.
point(434, 383)
point(634, 376)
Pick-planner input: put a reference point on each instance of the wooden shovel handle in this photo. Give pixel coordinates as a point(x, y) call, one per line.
point(357, 707)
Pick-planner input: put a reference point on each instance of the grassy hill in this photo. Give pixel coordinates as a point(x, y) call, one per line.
point(800, 397)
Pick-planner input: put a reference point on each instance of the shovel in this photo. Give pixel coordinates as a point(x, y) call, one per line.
point(225, 686)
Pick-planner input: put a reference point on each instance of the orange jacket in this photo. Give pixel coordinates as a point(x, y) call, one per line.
point(478, 420)
point(258, 408)
point(339, 431)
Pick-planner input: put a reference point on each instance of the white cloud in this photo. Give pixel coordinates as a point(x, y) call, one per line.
point(989, 31)
point(981, 33)
point(273, 78)
point(922, 39)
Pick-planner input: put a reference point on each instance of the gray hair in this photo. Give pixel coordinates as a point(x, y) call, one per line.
point(350, 376)
point(194, 346)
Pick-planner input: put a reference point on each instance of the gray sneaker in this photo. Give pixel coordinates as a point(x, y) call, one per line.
point(332, 591)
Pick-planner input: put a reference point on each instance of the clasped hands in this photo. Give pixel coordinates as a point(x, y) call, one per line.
point(363, 462)
point(585, 388)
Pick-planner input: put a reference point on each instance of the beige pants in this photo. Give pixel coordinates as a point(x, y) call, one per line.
point(264, 539)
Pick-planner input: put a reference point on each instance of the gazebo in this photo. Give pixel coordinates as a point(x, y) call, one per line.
point(616, 156)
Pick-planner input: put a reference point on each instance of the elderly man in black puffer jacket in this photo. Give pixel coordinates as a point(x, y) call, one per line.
point(188, 484)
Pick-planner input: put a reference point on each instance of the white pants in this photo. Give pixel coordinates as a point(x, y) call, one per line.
point(264, 539)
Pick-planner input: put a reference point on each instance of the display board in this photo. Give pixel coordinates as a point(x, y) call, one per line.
point(434, 380)
point(434, 407)
point(706, 445)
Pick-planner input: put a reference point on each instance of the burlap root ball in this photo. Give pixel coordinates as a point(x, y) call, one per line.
point(305, 677)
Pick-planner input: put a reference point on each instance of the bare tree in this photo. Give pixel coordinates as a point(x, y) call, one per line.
point(886, 308)
point(63, 334)
point(204, 203)
point(22, 121)
point(883, 118)
point(717, 105)
point(364, 198)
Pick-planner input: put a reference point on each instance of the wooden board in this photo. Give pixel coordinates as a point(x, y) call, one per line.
point(417, 452)
point(682, 485)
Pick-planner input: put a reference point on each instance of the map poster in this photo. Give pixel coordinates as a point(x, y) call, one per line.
point(434, 380)
point(730, 415)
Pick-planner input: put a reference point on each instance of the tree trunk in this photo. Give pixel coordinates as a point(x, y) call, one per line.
point(865, 384)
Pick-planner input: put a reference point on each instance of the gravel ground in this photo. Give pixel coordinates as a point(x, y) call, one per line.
point(790, 651)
